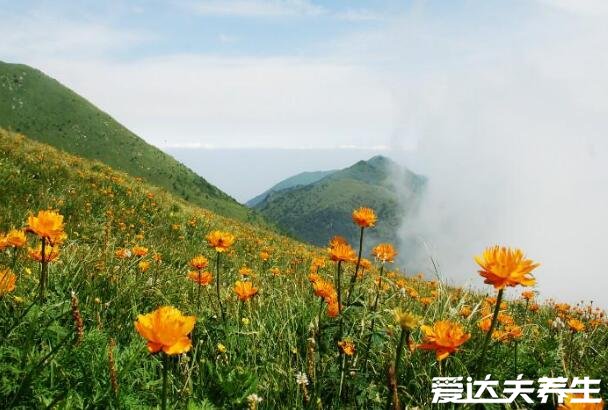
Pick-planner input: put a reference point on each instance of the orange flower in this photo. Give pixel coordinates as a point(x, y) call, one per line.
point(569, 405)
point(314, 277)
point(506, 267)
point(337, 240)
point(166, 329)
point(264, 255)
point(15, 238)
point(123, 253)
point(202, 278)
point(316, 264)
point(50, 253)
point(384, 252)
point(484, 324)
point(245, 271)
point(347, 347)
point(244, 290)
point(324, 289)
point(332, 308)
point(220, 241)
point(527, 295)
point(511, 333)
point(7, 281)
point(576, 325)
point(364, 217)
point(143, 266)
point(444, 338)
point(199, 262)
point(140, 251)
point(342, 253)
point(47, 225)
point(465, 311)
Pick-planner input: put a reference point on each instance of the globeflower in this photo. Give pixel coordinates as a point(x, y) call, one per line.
point(444, 337)
point(15, 238)
point(342, 253)
point(166, 329)
point(347, 347)
point(364, 217)
point(220, 241)
point(245, 290)
point(7, 281)
point(503, 267)
point(51, 253)
point(202, 278)
point(384, 252)
point(406, 320)
point(199, 262)
point(47, 225)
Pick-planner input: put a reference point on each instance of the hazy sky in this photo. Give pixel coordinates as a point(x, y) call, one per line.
point(504, 105)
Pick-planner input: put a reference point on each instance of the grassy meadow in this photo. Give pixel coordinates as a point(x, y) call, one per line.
point(289, 336)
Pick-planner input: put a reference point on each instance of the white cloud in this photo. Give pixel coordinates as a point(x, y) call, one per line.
point(256, 8)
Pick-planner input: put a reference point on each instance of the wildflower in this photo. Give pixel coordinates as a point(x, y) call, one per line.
point(384, 252)
point(143, 266)
point(528, 295)
point(253, 400)
point(333, 309)
point(264, 255)
point(7, 281)
point(364, 217)
point(123, 253)
point(245, 271)
point(511, 333)
point(202, 278)
point(408, 321)
point(244, 290)
point(342, 253)
point(484, 324)
point(275, 271)
point(314, 277)
point(301, 379)
point(465, 311)
point(569, 403)
point(51, 253)
point(502, 267)
point(347, 347)
point(316, 264)
point(199, 262)
point(576, 325)
point(337, 240)
point(444, 337)
point(15, 238)
point(47, 225)
point(324, 289)
point(166, 329)
point(220, 241)
point(221, 348)
point(157, 257)
point(245, 321)
point(140, 251)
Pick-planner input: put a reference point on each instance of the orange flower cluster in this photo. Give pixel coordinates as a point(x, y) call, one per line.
point(166, 329)
point(503, 267)
point(327, 292)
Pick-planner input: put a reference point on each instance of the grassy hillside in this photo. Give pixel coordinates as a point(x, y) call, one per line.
point(301, 179)
point(318, 210)
point(79, 347)
point(33, 103)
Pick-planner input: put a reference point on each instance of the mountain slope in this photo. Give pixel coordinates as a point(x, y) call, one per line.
point(45, 110)
point(301, 179)
point(321, 209)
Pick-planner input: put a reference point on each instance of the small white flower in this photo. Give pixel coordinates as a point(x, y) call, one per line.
point(254, 398)
point(301, 378)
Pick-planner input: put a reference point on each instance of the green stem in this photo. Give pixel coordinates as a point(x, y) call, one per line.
point(403, 337)
point(374, 308)
point(198, 295)
point(486, 340)
point(217, 285)
point(339, 286)
point(353, 279)
point(43, 271)
point(165, 381)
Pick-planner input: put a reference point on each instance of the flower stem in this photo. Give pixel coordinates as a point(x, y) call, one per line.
point(339, 286)
point(402, 338)
point(165, 381)
point(374, 308)
point(43, 271)
point(353, 279)
point(198, 295)
point(486, 340)
point(217, 285)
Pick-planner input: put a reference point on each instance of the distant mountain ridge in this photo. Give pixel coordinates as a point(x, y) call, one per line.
point(321, 208)
point(39, 106)
point(301, 179)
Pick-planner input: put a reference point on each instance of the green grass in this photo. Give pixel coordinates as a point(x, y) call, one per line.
point(43, 366)
point(45, 110)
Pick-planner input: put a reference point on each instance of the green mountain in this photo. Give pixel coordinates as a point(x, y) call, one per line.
point(316, 211)
point(301, 179)
point(39, 106)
